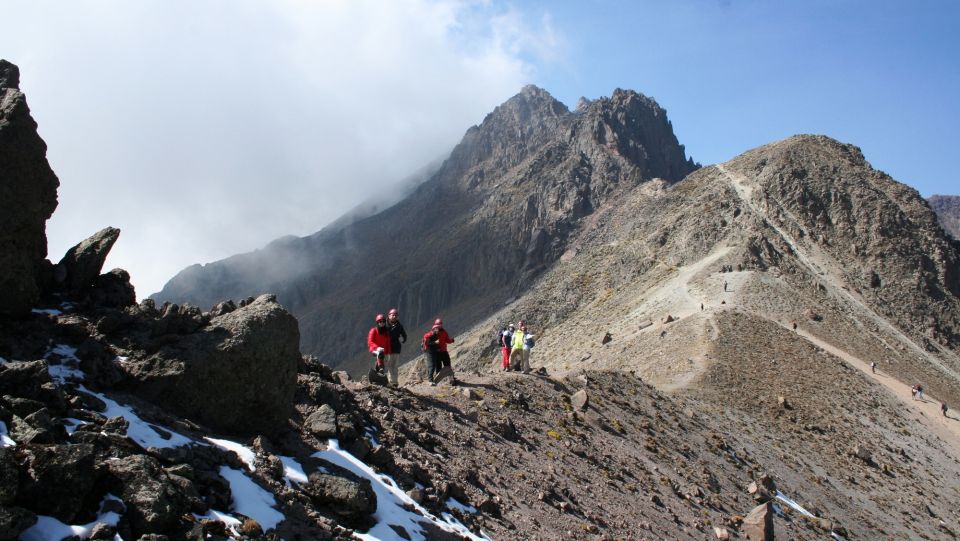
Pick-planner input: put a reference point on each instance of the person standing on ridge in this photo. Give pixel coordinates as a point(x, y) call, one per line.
point(943, 408)
point(520, 354)
point(431, 346)
point(506, 344)
point(444, 339)
point(873, 366)
point(398, 336)
point(378, 341)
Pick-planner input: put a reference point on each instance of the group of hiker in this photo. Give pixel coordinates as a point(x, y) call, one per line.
point(515, 344)
point(385, 341)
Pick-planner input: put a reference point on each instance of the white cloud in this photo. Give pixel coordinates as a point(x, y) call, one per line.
point(207, 129)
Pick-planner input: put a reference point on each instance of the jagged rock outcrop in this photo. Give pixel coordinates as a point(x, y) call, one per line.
point(236, 374)
point(81, 265)
point(498, 212)
point(28, 197)
point(947, 208)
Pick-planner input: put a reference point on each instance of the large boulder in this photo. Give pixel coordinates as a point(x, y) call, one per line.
point(56, 479)
point(758, 524)
point(14, 520)
point(154, 500)
point(346, 494)
point(238, 374)
point(81, 265)
point(28, 197)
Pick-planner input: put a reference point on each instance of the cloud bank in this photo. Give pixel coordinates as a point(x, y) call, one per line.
point(204, 129)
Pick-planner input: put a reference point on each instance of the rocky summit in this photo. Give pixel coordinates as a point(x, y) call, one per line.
point(720, 353)
point(500, 210)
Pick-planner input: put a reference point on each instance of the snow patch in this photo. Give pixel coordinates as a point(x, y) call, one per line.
point(68, 369)
point(371, 434)
point(5, 440)
point(139, 430)
point(393, 504)
point(453, 503)
point(251, 499)
point(120, 359)
point(293, 471)
point(51, 529)
point(47, 311)
point(792, 504)
point(72, 424)
point(3, 361)
point(245, 453)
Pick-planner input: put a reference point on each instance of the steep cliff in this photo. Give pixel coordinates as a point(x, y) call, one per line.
point(947, 208)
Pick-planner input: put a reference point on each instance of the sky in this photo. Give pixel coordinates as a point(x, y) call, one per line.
point(206, 129)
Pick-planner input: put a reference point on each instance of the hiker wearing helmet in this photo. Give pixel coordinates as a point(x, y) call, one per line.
point(378, 341)
point(506, 345)
point(431, 346)
point(443, 356)
point(397, 337)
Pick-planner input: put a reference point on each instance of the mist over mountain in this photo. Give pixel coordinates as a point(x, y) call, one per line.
point(497, 213)
point(947, 208)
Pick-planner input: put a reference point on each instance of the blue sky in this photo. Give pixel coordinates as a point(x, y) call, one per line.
point(205, 129)
point(734, 75)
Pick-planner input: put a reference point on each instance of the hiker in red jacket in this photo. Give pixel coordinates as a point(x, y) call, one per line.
point(378, 341)
point(443, 356)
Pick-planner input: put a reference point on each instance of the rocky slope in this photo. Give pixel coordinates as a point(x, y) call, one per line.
point(499, 211)
point(947, 208)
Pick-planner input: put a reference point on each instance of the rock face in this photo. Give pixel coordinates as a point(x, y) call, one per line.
point(238, 374)
point(947, 208)
point(758, 525)
point(81, 265)
point(498, 212)
point(28, 197)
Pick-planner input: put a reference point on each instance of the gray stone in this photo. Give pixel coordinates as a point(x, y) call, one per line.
point(9, 478)
point(322, 423)
point(81, 265)
point(28, 197)
point(113, 290)
point(345, 494)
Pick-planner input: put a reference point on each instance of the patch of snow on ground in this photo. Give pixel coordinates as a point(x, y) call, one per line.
point(5, 440)
point(292, 471)
point(51, 529)
point(68, 367)
point(139, 430)
point(250, 499)
point(790, 503)
point(47, 311)
point(392, 503)
point(120, 359)
point(371, 434)
point(2, 361)
point(71, 424)
point(453, 503)
point(245, 453)
point(231, 522)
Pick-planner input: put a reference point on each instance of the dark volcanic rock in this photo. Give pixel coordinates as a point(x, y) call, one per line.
point(113, 289)
point(56, 479)
point(28, 197)
point(238, 374)
point(82, 263)
point(14, 520)
point(346, 494)
point(154, 502)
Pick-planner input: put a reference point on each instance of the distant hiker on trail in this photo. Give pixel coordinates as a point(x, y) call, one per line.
point(943, 408)
point(794, 325)
point(398, 336)
point(920, 392)
point(378, 341)
point(701, 307)
point(443, 356)
point(873, 367)
point(913, 392)
point(431, 346)
point(724, 285)
point(520, 350)
point(506, 344)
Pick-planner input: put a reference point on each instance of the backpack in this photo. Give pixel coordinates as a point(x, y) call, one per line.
point(529, 342)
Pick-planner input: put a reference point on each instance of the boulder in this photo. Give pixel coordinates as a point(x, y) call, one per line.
point(580, 400)
point(81, 265)
point(28, 197)
point(113, 290)
point(238, 374)
point(14, 520)
point(862, 452)
point(56, 479)
point(346, 494)
point(9, 477)
point(322, 423)
point(154, 502)
point(758, 524)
